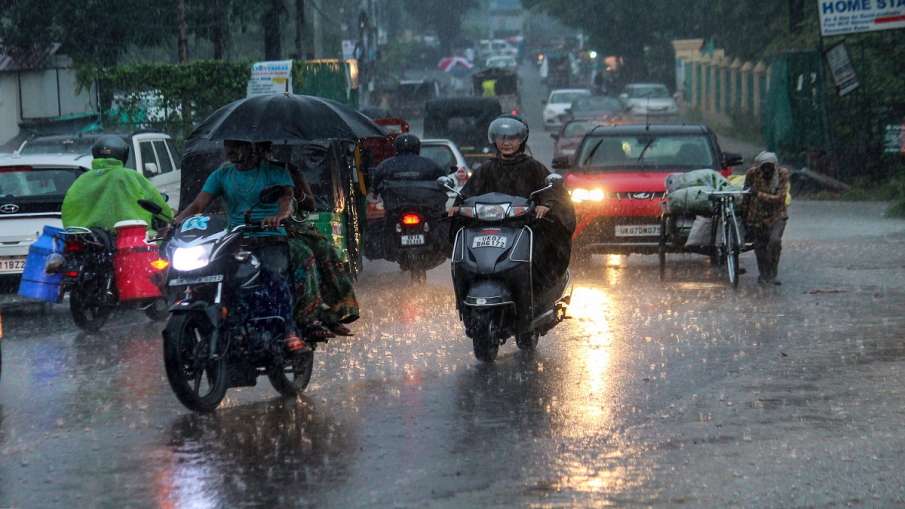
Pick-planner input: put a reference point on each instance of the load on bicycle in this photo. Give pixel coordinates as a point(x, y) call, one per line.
point(701, 215)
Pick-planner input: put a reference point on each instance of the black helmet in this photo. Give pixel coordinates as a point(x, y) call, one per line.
point(408, 144)
point(508, 125)
point(112, 147)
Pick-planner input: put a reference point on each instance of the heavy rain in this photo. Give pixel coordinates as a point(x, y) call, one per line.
point(461, 253)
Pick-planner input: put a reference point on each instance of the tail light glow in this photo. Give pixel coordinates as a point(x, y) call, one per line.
point(411, 219)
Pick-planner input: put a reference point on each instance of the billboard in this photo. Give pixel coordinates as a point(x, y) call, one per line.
point(840, 17)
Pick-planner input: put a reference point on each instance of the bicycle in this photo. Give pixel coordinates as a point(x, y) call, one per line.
point(728, 239)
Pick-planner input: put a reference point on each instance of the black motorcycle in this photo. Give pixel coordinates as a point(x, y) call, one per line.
point(415, 237)
point(226, 329)
point(492, 276)
point(89, 278)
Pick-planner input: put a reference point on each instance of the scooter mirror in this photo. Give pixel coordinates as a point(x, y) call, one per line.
point(447, 182)
point(554, 179)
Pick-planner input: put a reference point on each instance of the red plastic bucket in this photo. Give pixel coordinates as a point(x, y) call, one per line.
point(132, 262)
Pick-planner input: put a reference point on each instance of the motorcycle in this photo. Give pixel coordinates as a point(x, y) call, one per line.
point(492, 276)
point(414, 235)
point(224, 331)
point(89, 276)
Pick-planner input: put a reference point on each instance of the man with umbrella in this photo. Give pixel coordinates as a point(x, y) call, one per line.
point(239, 183)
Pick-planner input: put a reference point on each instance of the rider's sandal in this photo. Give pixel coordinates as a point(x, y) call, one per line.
point(295, 344)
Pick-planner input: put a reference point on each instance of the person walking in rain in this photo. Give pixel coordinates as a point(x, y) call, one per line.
point(766, 213)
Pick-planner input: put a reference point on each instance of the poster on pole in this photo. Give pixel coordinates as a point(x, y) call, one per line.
point(274, 77)
point(843, 72)
point(840, 17)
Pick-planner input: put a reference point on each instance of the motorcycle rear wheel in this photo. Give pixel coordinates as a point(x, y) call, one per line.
point(88, 313)
point(300, 366)
point(186, 341)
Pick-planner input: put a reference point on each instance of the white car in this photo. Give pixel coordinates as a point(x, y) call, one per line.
point(152, 153)
point(31, 196)
point(501, 62)
point(447, 155)
point(558, 102)
point(649, 99)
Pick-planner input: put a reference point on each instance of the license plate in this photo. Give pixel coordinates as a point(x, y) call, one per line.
point(412, 240)
point(497, 241)
point(637, 230)
point(184, 281)
point(12, 264)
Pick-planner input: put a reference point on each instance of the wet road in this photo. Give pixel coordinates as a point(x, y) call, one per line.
point(654, 394)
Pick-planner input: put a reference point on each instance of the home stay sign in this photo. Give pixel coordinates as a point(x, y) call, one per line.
point(840, 17)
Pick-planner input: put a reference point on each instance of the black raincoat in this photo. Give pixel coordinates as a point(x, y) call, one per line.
point(520, 176)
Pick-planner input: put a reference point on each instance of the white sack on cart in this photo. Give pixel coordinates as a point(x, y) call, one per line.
point(701, 233)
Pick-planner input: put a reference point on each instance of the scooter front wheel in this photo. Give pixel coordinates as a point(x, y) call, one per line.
point(484, 340)
point(197, 378)
point(527, 341)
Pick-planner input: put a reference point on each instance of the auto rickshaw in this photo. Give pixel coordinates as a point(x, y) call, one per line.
point(465, 121)
point(329, 167)
point(502, 84)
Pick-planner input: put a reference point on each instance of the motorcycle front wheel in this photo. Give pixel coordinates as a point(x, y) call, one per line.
point(291, 379)
point(86, 308)
point(198, 381)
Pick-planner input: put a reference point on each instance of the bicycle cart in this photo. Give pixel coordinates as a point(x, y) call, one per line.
point(726, 238)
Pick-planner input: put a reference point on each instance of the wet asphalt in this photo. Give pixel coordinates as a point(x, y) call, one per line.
point(675, 393)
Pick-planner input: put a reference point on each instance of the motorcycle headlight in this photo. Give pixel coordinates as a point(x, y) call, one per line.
point(580, 195)
point(186, 259)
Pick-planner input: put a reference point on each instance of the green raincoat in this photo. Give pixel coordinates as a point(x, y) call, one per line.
point(108, 194)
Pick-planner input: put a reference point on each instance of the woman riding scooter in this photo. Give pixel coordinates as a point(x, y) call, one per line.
point(516, 173)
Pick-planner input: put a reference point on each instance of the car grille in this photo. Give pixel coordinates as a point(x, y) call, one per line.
point(639, 196)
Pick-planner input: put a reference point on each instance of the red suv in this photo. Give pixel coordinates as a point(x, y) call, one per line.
point(618, 180)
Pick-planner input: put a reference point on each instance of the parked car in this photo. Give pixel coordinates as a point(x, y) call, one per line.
point(618, 181)
point(649, 100)
point(558, 102)
point(604, 109)
point(152, 153)
point(568, 138)
point(32, 188)
point(502, 62)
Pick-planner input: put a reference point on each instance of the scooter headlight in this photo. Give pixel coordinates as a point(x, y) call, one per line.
point(492, 212)
point(187, 259)
point(584, 195)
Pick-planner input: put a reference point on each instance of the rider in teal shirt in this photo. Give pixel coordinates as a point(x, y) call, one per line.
point(239, 183)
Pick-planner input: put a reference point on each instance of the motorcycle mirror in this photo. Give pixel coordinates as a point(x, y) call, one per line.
point(554, 179)
point(271, 194)
point(150, 206)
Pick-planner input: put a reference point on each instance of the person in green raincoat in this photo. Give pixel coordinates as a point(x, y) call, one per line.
point(109, 192)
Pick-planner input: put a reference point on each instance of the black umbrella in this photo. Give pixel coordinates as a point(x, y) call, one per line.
point(284, 118)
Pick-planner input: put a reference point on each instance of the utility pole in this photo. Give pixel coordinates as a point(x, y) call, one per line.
point(317, 25)
point(299, 29)
point(183, 38)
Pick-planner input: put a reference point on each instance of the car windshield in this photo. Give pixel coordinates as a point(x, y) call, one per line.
point(652, 91)
point(601, 104)
point(646, 152)
point(58, 146)
point(576, 129)
point(44, 183)
point(440, 154)
point(567, 97)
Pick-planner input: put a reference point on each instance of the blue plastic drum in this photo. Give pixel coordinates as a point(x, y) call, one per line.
point(37, 284)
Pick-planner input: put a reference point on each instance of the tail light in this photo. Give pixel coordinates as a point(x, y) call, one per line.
point(73, 246)
point(72, 274)
point(411, 219)
point(515, 112)
point(726, 172)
